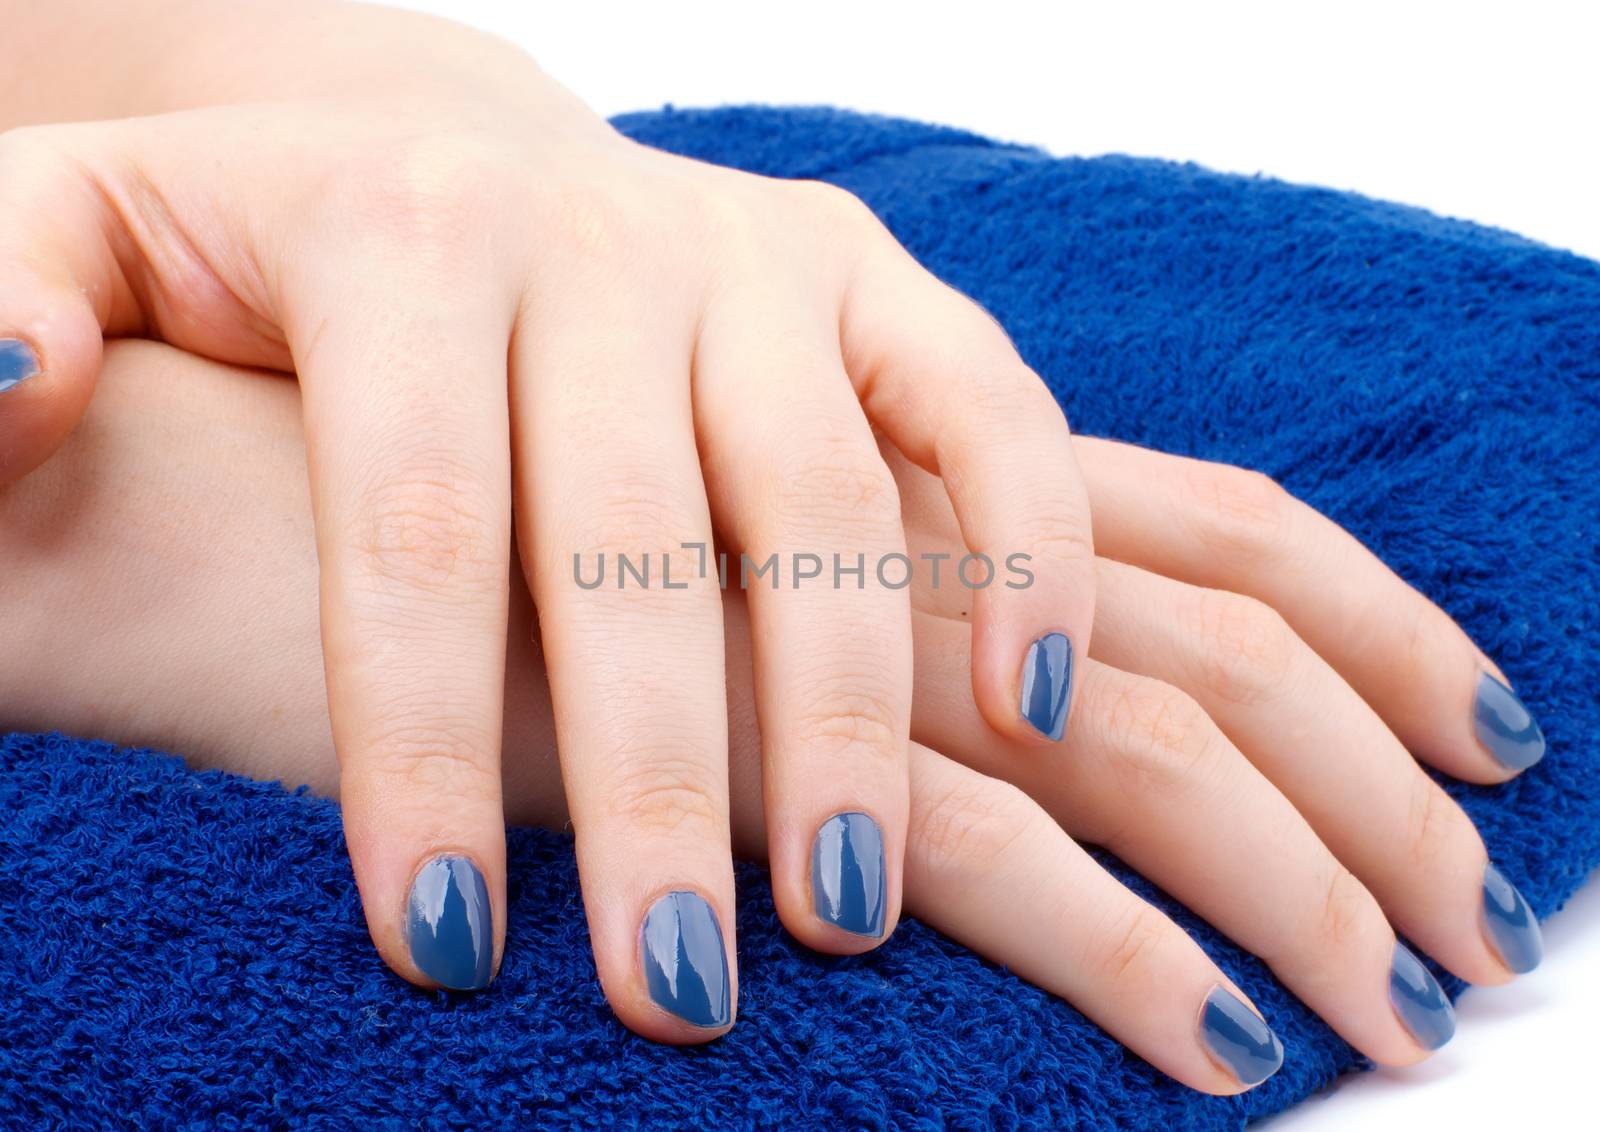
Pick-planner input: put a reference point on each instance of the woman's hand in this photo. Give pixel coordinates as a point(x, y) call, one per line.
point(1249, 773)
point(499, 308)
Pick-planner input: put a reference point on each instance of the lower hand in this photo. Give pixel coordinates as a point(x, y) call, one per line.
point(1246, 753)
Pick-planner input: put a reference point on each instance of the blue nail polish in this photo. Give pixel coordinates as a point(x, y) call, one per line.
point(685, 967)
point(1505, 726)
point(450, 924)
point(1047, 684)
point(1419, 1000)
point(1238, 1038)
point(1512, 928)
point(848, 885)
point(18, 362)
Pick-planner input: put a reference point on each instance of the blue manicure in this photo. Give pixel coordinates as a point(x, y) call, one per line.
point(1047, 684)
point(18, 362)
point(1419, 1000)
point(1505, 726)
point(1238, 1038)
point(848, 885)
point(685, 967)
point(1512, 927)
point(450, 924)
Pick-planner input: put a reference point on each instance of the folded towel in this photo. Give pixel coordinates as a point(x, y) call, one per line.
point(187, 950)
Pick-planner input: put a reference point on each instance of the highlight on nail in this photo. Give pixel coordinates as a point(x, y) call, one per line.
point(450, 924)
point(1047, 684)
point(18, 362)
point(1237, 1037)
point(685, 964)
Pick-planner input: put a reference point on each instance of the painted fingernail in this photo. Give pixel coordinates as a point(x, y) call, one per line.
point(1238, 1038)
point(848, 885)
point(450, 924)
point(18, 362)
point(1047, 684)
point(1505, 726)
point(1510, 924)
point(685, 967)
point(1419, 1000)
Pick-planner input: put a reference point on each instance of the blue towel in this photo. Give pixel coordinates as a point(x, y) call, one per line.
point(187, 950)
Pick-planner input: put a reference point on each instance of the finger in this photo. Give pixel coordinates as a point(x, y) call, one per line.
point(60, 284)
point(1231, 529)
point(986, 866)
point(1389, 822)
point(402, 369)
point(799, 488)
point(1147, 775)
point(89, 250)
point(609, 492)
point(1407, 840)
point(942, 381)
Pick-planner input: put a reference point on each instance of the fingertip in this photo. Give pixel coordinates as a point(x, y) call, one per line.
point(687, 973)
point(449, 925)
point(48, 365)
point(1239, 1040)
point(1504, 727)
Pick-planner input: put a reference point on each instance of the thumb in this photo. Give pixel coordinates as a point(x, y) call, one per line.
point(60, 289)
point(90, 249)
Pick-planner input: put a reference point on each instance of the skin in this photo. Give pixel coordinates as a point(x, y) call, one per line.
point(505, 318)
point(162, 582)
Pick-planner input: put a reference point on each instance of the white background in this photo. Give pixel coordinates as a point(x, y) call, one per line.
point(1487, 113)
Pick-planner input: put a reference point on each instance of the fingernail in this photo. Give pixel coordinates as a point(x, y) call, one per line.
point(1239, 1038)
point(1419, 1000)
point(1505, 726)
point(450, 924)
point(1510, 924)
point(685, 967)
point(848, 886)
point(18, 362)
point(1047, 684)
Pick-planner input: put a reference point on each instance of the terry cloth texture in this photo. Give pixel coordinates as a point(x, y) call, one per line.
point(187, 950)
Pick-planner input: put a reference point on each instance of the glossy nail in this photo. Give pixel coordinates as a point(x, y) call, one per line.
point(1419, 1000)
point(685, 967)
point(18, 362)
point(1510, 924)
point(450, 924)
point(1047, 684)
point(1238, 1038)
point(848, 885)
point(1505, 726)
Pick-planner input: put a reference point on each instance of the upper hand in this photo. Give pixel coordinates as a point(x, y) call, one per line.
point(496, 313)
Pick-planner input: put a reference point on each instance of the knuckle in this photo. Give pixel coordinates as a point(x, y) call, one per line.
point(438, 761)
point(859, 724)
point(633, 510)
point(666, 792)
point(1053, 538)
point(1434, 824)
point(428, 195)
point(999, 389)
point(1246, 649)
point(835, 207)
point(1344, 912)
point(430, 534)
point(1242, 514)
point(971, 825)
point(585, 224)
point(826, 478)
point(1428, 640)
point(1163, 744)
point(1138, 940)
